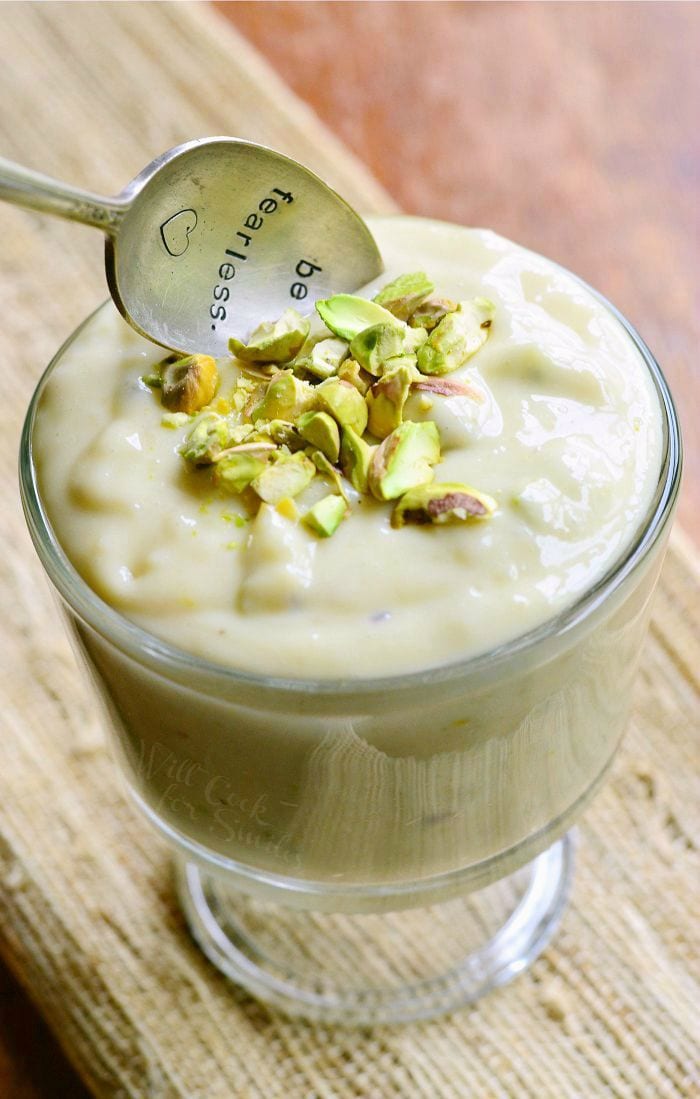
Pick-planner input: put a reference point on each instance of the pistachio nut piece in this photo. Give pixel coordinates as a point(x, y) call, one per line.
point(325, 517)
point(439, 504)
point(404, 460)
point(323, 359)
point(286, 397)
point(282, 433)
point(188, 384)
point(457, 337)
point(273, 341)
point(378, 346)
point(355, 457)
point(343, 402)
point(288, 475)
point(210, 435)
point(373, 346)
point(153, 381)
point(386, 399)
point(173, 420)
point(237, 470)
point(430, 312)
point(351, 371)
point(321, 430)
point(403, 296)
point(328, 470)
point(346, 315)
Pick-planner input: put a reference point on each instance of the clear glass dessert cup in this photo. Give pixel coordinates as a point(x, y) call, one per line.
point(373, 850)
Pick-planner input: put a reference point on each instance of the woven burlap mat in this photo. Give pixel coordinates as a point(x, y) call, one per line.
point(87, 916)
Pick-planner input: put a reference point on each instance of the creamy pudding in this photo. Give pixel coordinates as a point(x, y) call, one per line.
point(555, 422)
point(560, 425)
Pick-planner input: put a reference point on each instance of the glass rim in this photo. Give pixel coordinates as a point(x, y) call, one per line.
point(166, 658)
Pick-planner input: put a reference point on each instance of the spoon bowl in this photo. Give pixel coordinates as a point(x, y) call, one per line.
point(225, 234)
point(212, 238)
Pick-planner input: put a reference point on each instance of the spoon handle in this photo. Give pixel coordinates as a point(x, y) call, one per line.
point(35, 191)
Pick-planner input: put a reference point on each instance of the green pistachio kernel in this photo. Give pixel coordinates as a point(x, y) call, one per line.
point(321, 430)
point(153, 381)
point(173, 420)
point(457, 337)
point(430, 312)
point(343, 402)
point(355, 458)
point(323, 359)
point(347, 315)
point(273, 341)
point(373, 346)
point(242, 392)
point(351, 371)
point(286, 397)
point(439, 504)
point(386, 399)
point(403, 296)
point(210, 435)
point(325, 517)
point(382, 344)
point(189, 383)
point(281, 432)
point(287, 475)
point(238, 469)
point(404, 460)
point(328, 470)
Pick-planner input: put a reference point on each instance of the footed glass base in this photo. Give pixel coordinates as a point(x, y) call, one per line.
point(388, 967)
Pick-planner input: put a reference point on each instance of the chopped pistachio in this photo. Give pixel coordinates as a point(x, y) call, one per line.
point(321, 430)
point(386, 399)
point(174, 419)
point(373, 346)
point(457, 337)
point(446, 387)
point(273, 341)
point(286, 397)
point(403, 296)
point(408, 361)
point(189, 384)
point(288, 475)
point(404, 460)
point(324, 466)
point(377, 348)
point(323, 359)
point(238, 469)
point(439, 504)
point(351, 371)
point(347, 315)
point(430, 312)
point(154, 381)
point(343, 402)
point(242, 392)
point(210, 435)
point(325, 517)
point(281, 432)
point(355, 457)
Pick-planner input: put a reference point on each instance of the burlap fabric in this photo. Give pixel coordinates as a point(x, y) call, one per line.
point(87, 915)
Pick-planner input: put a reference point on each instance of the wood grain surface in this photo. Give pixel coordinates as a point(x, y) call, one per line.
point(569, 127)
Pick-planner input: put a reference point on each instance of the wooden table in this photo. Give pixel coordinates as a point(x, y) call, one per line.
point(569, 127)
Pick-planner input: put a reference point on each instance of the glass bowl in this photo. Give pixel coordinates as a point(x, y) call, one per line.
point(373, 850)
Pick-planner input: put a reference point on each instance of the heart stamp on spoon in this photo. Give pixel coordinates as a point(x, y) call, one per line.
point(176, 230)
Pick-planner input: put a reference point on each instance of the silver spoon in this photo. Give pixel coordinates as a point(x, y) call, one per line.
point(212, 238)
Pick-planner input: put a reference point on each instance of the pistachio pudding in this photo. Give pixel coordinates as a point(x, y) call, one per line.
point(381, 576)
